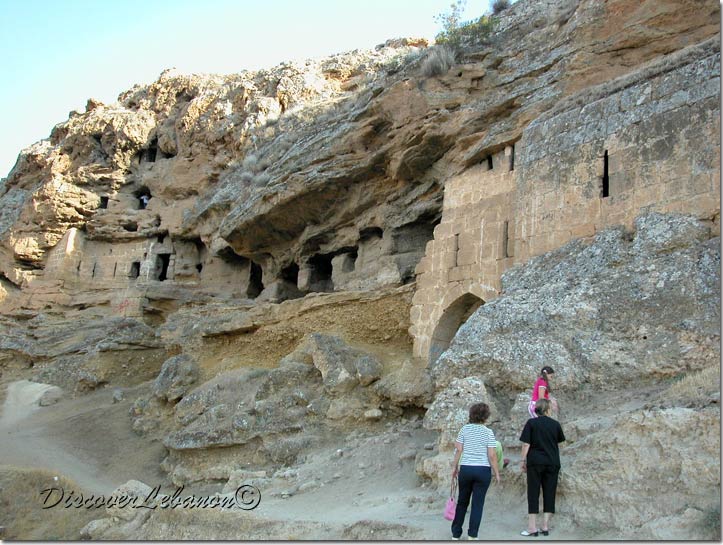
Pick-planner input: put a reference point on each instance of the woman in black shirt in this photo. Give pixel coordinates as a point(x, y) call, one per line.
point(541, 461)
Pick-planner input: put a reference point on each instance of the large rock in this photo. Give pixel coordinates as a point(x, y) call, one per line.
point(450, 409)
point(342, 367)
point(177, 375)
point(636, 455)
point(410, 385)
point(216, 413)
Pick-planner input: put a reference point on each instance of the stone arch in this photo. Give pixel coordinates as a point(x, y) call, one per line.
point(453, 316)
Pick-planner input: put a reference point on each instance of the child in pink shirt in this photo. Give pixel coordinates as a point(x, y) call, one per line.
point(541, 390)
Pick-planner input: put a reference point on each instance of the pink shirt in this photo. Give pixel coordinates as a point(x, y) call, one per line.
point(536, 389)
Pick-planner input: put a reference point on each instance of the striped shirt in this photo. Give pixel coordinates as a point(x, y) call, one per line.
point(475, 439)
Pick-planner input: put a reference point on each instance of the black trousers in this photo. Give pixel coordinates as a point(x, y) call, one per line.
point(473, 483)
point(544, 476)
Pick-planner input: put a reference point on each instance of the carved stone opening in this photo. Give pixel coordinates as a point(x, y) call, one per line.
point(162, 263)
point(143, 195)
point(291, 274)
point(320, 273)
point(452, 318)
point(256, 286)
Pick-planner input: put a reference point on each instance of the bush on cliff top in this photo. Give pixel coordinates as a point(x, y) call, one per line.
point(457, 33)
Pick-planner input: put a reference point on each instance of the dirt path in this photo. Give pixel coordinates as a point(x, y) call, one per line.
point(73, 438)
point(369, 494)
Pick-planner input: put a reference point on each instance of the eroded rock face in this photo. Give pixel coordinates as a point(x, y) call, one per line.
point(318, 176)
point(646, 459)
point(450, 409)
point(210, 215)
point(270, 416)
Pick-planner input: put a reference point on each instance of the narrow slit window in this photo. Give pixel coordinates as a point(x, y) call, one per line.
point(512, 158)
point(605, 177)
point(505, 238)
point(490, 166)
point(456, 249)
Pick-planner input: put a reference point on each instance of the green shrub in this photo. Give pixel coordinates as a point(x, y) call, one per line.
point(456, 33)
point(498, 6)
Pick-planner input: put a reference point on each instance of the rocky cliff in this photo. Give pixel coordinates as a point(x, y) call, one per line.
point(348, 248)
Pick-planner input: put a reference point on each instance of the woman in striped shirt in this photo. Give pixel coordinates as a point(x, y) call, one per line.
point(475, 449)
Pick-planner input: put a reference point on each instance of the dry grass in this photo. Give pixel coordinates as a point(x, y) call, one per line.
point(21, 507)
point(695, 388)
point(438, 61)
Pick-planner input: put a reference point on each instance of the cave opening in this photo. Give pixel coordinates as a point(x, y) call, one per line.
point(149, 155)
point(143, 195)
point(162, 263)
point(291, 274)
point(320, 273)
point(256, 285)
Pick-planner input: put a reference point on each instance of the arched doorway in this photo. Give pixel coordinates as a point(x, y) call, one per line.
point(452, 318)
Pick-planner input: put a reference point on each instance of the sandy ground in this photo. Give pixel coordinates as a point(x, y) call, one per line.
point(370, 491)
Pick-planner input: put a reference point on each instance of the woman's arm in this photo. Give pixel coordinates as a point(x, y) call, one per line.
point(542, 391)
point(525, 450)
point(457, 454)
point(492, 455)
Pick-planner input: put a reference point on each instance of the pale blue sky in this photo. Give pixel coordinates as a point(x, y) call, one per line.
point(55, 54)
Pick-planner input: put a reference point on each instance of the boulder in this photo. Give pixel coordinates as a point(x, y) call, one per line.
point(410, 385)
point(342, 367)
point(177, 375)
point(126, 510)
point(50, 396)
point(450, 409)
point(216, 413)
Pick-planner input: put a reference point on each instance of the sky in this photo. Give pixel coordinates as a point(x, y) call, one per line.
point(55, 54)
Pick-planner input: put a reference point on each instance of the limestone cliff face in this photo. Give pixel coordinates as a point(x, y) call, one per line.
point(290, 253)
point(282, 178)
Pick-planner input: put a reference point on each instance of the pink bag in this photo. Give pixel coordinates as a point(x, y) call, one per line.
point(451, 506)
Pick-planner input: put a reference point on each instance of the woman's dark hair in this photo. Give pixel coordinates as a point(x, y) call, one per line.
point(545, 374)
point(479, 413)
point(542, 406)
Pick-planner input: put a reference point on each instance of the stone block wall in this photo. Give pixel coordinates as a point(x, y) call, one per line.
point(472, 245)
point(661, 138)
point(650, 142)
